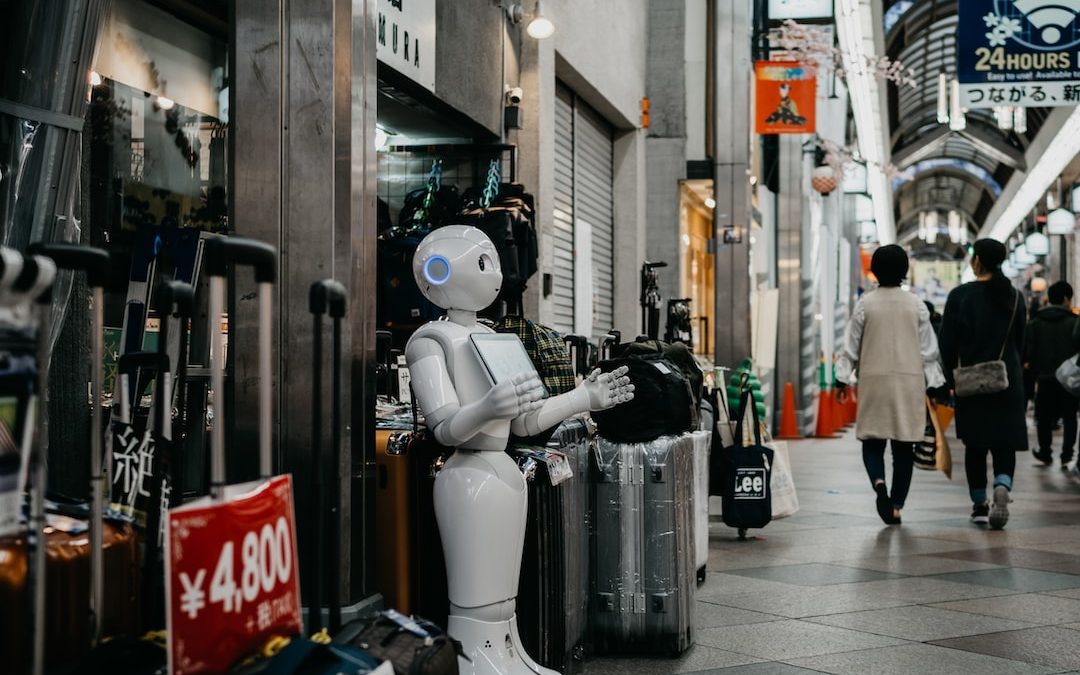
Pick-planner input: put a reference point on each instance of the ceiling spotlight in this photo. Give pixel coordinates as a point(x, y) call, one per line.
point(540, 27)
point(710, 203)
point(165, 103)
point(95, 78)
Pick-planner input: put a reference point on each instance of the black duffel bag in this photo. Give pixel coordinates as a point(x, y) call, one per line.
point(663, 403)
point(414, 646)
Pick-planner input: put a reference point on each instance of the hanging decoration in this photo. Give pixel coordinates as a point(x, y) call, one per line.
point(815, 45)
point(823, 179)
point(786, 94)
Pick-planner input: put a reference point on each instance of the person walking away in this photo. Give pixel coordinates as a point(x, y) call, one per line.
point(890, 346)
point(1051, 339)
point(984, 321)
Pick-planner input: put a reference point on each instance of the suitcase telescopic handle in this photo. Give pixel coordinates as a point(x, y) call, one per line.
point(93, 261)
point(327, 297)
point(219, 253)
point(176, 298)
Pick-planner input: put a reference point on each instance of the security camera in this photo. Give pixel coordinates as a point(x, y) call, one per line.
point(513, 95)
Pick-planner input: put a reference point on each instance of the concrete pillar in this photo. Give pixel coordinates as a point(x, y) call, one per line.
point(303, 109)
point(731, 159)
point(789, 246)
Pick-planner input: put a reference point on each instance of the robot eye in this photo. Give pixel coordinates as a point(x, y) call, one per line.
point(484, 262)
point(437, 270)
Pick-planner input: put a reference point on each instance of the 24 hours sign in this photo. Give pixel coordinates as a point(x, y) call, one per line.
point(1022, 53)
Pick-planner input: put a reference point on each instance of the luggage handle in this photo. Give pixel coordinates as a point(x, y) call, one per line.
point(95, 263)
point(325, 297)
point(219, 252)
point(35, 276)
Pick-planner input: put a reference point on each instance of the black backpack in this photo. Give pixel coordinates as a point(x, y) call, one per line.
point(676, 352)
point(745, 473)
point(663, 403)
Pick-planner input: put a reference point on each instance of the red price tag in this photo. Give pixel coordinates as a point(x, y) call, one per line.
point(231, 570)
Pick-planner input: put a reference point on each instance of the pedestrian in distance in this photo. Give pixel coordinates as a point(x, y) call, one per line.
point(890, 347)
point(1051, 339)
point(983, 324)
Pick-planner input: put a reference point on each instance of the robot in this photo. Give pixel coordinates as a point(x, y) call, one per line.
point(480, 494)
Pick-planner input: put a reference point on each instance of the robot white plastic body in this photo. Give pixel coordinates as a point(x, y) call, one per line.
point(480, 495)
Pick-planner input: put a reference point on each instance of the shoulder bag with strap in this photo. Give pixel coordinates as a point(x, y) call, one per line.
point(989, 377)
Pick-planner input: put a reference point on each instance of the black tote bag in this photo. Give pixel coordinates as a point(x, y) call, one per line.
point(746, 473)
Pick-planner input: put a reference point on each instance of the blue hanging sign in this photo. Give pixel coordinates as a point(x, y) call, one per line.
point(1023, 53)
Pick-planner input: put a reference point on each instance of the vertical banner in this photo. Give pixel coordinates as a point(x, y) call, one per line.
point(785, 98)
point(1018, 53)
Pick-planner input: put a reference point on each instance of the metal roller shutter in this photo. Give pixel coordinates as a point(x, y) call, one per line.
point(562, 287)
point(594, 205)
point(583, 219)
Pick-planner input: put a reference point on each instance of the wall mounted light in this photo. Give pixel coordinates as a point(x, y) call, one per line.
point(942, 98)
point(540, 27)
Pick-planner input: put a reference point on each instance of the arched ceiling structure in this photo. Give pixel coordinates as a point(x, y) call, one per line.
point(941, 168)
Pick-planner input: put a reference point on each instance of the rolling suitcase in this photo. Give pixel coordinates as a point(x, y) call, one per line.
point(702, 444)
point(552, 601)
point(642, 556)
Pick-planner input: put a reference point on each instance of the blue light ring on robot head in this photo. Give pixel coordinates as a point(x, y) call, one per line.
point(437, 277)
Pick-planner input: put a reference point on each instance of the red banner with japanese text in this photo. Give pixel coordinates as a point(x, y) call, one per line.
point(231, 576)
point(785, 98)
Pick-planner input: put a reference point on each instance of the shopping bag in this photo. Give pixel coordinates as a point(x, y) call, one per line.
point(945, 415)
point(1068, 374)
point(785, 500)
point(933, 454)
point(745, 486)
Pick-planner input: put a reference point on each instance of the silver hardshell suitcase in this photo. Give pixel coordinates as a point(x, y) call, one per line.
point(554, 590)
point(643, 558)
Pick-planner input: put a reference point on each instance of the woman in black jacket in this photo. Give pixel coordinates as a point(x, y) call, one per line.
point(984, 321)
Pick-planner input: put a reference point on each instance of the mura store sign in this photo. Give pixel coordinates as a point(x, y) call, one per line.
point(405, 38)
point(1018, 53)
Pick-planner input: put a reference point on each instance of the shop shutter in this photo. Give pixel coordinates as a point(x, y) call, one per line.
point(562, 287)
point(594, 208)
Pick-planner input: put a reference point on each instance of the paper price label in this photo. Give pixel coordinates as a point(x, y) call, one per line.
point(232, 576)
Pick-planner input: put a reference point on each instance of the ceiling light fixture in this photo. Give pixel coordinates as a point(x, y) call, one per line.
point(957, 118)
point(540, 27)
point(1037, 243)
point(856, 31)
point(1061, 150)
point(1060, 221)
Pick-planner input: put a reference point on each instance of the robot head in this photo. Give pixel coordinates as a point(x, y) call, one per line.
point(457, 267)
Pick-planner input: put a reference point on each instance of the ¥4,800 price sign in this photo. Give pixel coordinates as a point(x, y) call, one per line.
point(231, 568)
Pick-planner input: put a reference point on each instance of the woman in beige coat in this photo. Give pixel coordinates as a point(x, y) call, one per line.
point(890, 345)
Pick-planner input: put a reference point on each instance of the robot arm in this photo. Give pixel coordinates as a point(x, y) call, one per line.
point(452, 423)
point(598, 391)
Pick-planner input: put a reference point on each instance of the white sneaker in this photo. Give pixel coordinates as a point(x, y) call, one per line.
point(999, 510)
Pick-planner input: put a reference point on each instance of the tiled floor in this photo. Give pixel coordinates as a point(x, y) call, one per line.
point(833, 590)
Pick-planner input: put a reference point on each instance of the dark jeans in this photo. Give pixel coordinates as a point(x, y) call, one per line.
point(975, 466)
point(903, 462)
point(1053, 403)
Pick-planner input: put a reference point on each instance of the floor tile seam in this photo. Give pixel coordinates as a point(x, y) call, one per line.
point(1027, 626)
point(720, 604)
point(791, 662)
point(843, 651)
point(938, 605)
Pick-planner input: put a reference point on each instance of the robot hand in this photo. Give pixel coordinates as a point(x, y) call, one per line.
point(607, 390)
point(522, 394)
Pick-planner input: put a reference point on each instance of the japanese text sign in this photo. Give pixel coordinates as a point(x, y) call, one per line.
point(786, 98)
point(231, 575)
point(1023, 53)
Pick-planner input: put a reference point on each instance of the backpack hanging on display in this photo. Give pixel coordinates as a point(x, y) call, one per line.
point(746, 473)
point(662, 404)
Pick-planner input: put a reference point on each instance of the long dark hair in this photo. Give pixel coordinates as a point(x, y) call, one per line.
point(991, 254)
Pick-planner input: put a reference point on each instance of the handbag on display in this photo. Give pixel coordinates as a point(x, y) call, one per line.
point(988, 377)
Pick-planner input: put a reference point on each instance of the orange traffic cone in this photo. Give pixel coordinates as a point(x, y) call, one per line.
point(825, 427)
point(837, 411)
point(789, 427)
